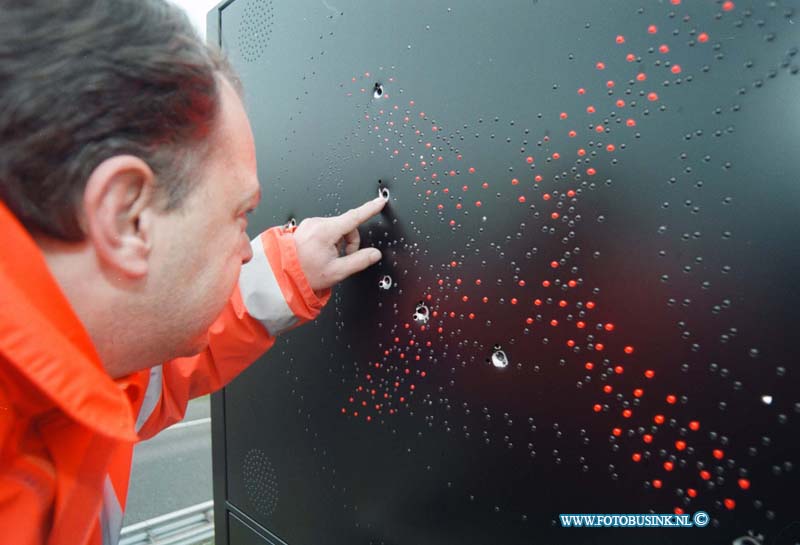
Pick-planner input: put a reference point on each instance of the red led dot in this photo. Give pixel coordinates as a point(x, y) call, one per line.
point(657, 483)
point(538, 178)
point(344, 411)
point(556, 156)
point(581, 325)
point(563, 115)
point(554, 323)
point(546, 284)
point(599, 347)
point(680, 445)
point(591, 171)
point(629, 350)
point(514, 301)
point(652, 97)
point(671, 399)
point(617, 432)
point(554, 215)
point(521, 198)
point(620, 39)
point(691, 492)
point(485, 185)
point(705, 475)
point(514, 181)
point(529, 159)
point(590, 110)
point(600, 66)
point(546, 196)
point(658, 419)
point(599, 128)
point(572, 283)
point(562, 303)
point(554, 264)
point(676, 69)
point(610, 84)
point(630, 123)
point(590, 305)
point(649, 373)
point(620, 103)
point(609, 327)
point(597, 407)
point(702, 37)
point(676, 2)
point(663, 48)
point(744, 484)
point(521, 283)
point(581, 91)
point(472, 170)
point(581, 152)
point(589, 365)
point(728, 6)
point(652, 29)
point(478, 282)
point(538, 302)
point(669, 466)
point(471, 316)
point(571, 193)
point(478, 204)
point(610, 148)
point(638, 392)
point(678, 511)
point(627, 413)
point(718, 454)
point(618, 369)
point(529, 320)
point(630, 57)
point(572, 134)
point(641, 76)
point(636, 457)
point(729, 504)
point(647, 438)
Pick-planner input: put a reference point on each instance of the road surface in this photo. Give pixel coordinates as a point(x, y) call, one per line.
point(173, 469)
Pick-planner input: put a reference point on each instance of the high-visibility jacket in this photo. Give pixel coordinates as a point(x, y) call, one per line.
point(67, 429)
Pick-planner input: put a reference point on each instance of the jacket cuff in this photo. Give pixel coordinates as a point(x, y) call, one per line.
point(274, 287)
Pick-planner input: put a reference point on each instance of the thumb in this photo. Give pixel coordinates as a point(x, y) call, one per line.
point(342, 267)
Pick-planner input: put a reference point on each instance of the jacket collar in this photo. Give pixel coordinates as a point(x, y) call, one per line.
point(43, 339)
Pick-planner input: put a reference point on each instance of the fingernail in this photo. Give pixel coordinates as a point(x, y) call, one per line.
point(375, 255)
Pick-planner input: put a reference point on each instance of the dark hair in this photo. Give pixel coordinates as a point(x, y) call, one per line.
point(84, 80)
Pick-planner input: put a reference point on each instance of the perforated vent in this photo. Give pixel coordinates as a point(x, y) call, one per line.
point(255, 29)
point(260, 481)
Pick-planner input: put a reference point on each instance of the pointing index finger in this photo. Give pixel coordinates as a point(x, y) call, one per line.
point(353, 218)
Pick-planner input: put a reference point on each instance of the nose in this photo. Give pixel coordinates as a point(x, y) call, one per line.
point(248, 252)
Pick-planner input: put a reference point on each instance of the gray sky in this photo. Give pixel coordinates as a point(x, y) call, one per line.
point(197, 10)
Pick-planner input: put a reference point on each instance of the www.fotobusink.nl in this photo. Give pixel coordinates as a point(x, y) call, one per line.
point(698, 520)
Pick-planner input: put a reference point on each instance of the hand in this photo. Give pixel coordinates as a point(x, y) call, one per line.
point(319, 242)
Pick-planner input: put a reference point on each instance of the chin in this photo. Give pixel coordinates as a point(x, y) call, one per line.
point(197, 346)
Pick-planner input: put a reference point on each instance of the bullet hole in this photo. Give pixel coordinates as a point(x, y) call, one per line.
point(499, 358)
point(289, 225)
point(421, 313)
point(377, 91)
point(385, 282)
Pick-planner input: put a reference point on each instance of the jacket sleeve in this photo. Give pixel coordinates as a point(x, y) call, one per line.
point(272, 296)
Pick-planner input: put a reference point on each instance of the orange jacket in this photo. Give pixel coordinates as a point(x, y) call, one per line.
point(67, 429)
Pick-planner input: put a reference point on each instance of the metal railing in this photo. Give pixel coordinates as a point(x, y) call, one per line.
point(191, 526)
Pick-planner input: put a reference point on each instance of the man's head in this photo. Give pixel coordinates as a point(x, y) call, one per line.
point(127, 154)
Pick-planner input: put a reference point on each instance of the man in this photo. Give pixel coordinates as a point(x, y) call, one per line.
point(127, 281)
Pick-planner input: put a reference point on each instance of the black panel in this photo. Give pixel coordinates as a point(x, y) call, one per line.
point(596, 203)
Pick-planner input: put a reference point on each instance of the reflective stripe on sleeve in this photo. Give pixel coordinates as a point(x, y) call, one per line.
point(262, 295)
point(110, 515)
point(151, 396)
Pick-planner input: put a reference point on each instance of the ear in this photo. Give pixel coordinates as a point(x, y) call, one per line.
point(118, 211)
